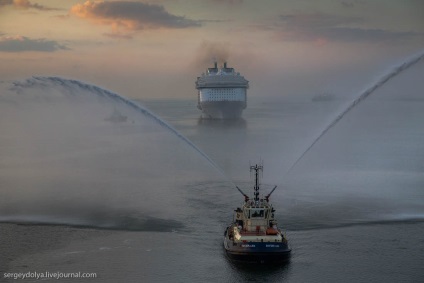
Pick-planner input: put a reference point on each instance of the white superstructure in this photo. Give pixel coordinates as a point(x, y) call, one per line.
point(221, 93)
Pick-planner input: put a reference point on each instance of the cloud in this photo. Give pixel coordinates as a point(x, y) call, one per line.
point(24, 4)
point(23, 44)
point(131, 16)
point(227, 1)
point(119, 35)
point(323, 28)
point(6, 2)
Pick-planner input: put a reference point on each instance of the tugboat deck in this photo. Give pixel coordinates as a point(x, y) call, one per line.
point(254, 233)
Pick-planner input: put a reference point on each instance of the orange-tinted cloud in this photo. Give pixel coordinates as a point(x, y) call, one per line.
point(24, 4)
point(130, 16)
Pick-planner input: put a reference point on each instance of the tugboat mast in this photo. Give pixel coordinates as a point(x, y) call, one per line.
point(256, 188)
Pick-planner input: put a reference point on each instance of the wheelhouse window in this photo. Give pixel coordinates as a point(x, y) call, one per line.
point(256, 213)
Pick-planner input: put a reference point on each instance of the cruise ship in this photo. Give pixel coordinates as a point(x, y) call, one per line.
point(221, 93)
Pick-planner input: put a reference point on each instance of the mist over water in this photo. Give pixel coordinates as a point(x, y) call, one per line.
point(352, 207)
point(367, 92)
point(368, 168)
point(63, 160)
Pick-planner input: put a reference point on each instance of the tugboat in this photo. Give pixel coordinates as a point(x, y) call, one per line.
point(253, 235)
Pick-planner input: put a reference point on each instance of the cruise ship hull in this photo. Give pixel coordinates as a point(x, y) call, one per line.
point(222, 109)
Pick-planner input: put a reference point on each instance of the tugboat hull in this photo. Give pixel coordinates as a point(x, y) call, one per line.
point(260, 257)
point(257, 251)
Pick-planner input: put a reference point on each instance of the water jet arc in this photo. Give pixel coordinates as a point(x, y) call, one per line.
point(384, 79)
point(70, 85)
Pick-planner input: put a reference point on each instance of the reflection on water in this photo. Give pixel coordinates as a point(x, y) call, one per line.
point(260, 272)
point(221, 123)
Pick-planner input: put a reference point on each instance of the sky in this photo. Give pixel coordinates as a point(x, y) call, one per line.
point(156, 49)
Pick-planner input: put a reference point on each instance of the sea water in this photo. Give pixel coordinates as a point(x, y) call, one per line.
point(111, 204)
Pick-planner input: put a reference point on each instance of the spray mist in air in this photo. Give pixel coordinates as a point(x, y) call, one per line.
point(366, 93)
point(64, 162)
point(73, 85)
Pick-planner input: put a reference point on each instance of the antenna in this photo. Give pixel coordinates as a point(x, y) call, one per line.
point(250, 166)
point(256, 168)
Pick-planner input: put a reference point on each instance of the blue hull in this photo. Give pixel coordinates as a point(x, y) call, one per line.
point(257, 251)
point(259, 256)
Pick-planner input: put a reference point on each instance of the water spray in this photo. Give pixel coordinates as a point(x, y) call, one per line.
point(366, 93)
point(71, 84)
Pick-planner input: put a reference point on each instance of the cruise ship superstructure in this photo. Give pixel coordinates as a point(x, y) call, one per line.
point(221, 93)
